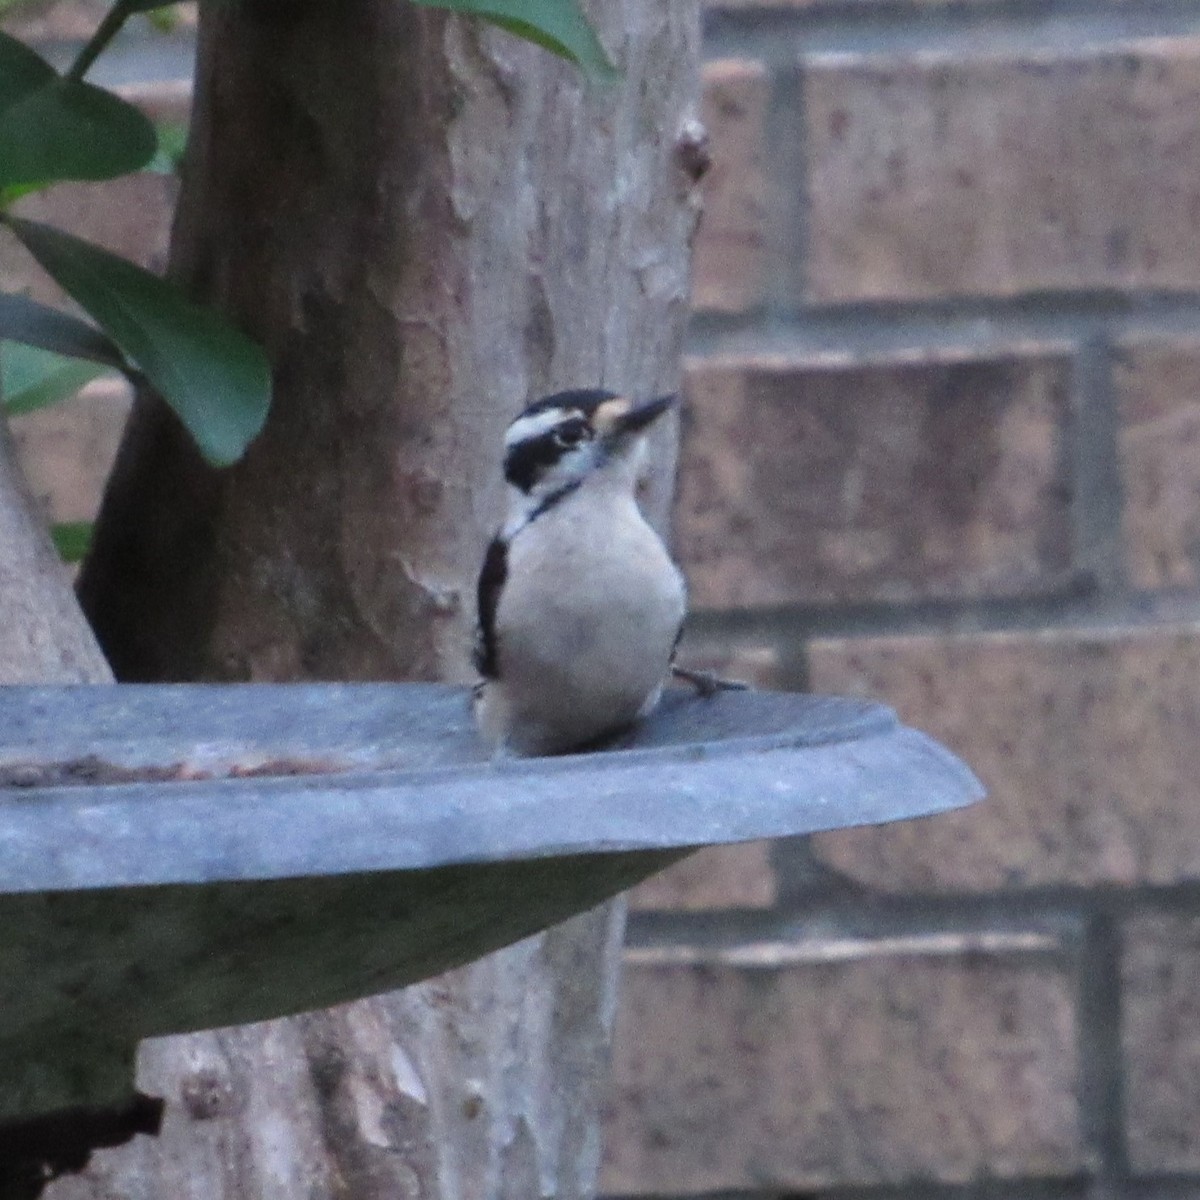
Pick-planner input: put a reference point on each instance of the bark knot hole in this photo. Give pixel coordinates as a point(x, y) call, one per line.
point(205, 1095)
point(692, 151)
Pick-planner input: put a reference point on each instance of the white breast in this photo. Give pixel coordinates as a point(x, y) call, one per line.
point(585, 626)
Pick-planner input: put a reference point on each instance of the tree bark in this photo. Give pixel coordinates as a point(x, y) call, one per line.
point(43, 636)
point(428, 223)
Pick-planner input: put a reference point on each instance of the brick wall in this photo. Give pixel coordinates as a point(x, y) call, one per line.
point(942, 448)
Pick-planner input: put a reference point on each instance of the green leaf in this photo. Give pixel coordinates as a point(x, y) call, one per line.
point(53, 128)
point(164, 19)
point(138, 6)
point(72, 539)
point(556, 25)
point(172, 142)
point(34, 324)
point(31, 379)
point(215, 378)
point(21, 71)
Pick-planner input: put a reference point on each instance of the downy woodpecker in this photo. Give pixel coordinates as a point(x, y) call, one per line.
point(580, 605)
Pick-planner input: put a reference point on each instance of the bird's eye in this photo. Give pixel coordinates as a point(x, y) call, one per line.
point(567, 436)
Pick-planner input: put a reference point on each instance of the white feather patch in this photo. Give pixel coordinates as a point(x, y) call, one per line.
point(525, 429)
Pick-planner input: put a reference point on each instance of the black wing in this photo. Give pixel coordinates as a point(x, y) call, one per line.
point(491, 581)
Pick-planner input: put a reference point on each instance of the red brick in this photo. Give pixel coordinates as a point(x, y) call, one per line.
point(804, 480)
point(73, 20)
point(729, 255)
point(935, 175)
point(1158, 385)
point(1161, 1042)
point(1088, 744)
point(59, 20)
point(130, 216)
point(67, 450)
point(165, 102)
point(721, 877)
point(799, 1066)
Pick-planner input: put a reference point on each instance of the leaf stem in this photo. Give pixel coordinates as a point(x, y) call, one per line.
point(105, 32)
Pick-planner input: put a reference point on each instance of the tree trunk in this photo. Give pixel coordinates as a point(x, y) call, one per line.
point(428, 223)
point(43, 636)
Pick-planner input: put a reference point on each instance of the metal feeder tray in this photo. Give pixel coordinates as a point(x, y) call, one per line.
point(181, 857)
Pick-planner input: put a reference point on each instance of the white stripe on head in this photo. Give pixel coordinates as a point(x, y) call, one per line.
point(524, 429)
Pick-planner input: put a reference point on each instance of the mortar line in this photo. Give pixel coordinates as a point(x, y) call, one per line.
point(1077, 29)
point(1066, 1188)
point(980, 324)
point(787, 232)
point(1094, 466)
point(1082, 611)
point(1101, 1080)
point(859, 913)
point(1166, 1185)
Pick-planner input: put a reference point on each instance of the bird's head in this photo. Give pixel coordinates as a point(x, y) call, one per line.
point(558, 442)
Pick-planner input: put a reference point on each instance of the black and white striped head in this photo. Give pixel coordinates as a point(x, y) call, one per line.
point(560, 440)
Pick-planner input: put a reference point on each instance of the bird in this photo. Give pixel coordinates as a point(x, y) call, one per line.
point(580, 605)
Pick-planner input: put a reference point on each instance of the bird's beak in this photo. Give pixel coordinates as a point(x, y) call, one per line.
point(622, 416)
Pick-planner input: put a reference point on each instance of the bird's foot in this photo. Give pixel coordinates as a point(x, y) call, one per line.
point(708, 684)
